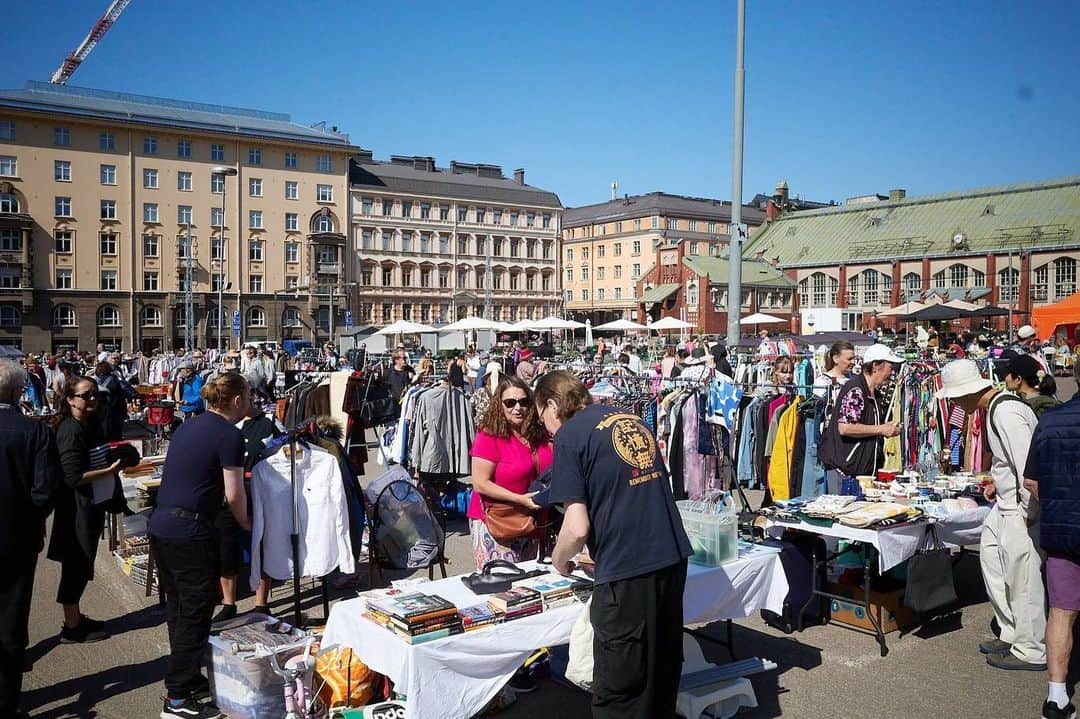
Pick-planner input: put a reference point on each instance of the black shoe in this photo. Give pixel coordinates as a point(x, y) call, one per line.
point(995, 646)
point(83, 633)
point(1053, 711)
point(1008, 660)
point(202, 694)
point(94, 625)
point(522, 683)
point(190, 709)
point(262, 609)
point(227, 611)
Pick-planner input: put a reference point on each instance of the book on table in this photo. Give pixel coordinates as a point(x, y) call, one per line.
point(557, 590)
point(479, 615)
point(514, 597)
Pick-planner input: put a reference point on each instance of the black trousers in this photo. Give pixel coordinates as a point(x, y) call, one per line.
point(188, 572)
point(16, 591)
point(74, 576)
point(637, 644)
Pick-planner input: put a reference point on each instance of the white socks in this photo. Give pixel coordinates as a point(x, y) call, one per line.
point(1057, 694)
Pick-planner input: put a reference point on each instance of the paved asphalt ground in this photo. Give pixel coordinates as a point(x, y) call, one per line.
point(824, 672)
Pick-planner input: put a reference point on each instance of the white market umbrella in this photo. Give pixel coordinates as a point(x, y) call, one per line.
point(468, 324)
point(962, 305)
point(670, 323)
point(402, 327)
point(760, 318)
point(521, 326)
point(902, 310)
point(621, 325)
point(555, 323)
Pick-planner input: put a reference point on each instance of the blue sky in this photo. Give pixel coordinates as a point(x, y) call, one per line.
point(842, 98)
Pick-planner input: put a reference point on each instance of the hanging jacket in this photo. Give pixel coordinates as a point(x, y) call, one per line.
point(442, 433)
point(852, 456)
point(1054, 456)
point(780, 464)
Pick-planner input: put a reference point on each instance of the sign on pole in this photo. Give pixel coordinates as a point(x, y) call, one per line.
point(348, 319)
point(236, 323)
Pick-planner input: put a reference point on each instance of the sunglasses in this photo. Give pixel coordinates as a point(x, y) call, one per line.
point(86, 396)
point(509, 403)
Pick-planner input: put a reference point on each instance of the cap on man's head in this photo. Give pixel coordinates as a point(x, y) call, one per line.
point(960, 378)
point(879, 352)
point(1026, 332)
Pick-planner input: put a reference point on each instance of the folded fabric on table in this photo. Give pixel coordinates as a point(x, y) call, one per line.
point(828, 505)
point(868, 514)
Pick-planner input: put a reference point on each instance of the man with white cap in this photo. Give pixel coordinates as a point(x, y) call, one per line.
point(853, 441)
point(1008, 550)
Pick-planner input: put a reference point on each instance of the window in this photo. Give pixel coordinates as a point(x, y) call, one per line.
point(939, 279)
point(290, 159)
point(444, 244)
point(496, 246)
point(62, 171)
point(1064, 277)
point(584, 295)
point(108, 174)
point(584, 273)
point(217, 153)
point(912, 282)
point(387, 207)
point(255, 283)
point(601, 251)
point(600, 272)
point(820, 282)
point(324, 223)
point(183, 214)
point(672, 223)
point(366, 275)
point(870, 288)
point(149, 179)
point(387, 276)
point(462, 213)
point(106, 141)
point(217, 282)
point(254, 156)
point(853, 291)
point(496, 280)
point(616, 249)
point(291, 190)
point(10, 276)
point(635, 271)
point(150, 317)
point(618, 293)
point(255, 186)
point(515, 247)
point(712, 228)
point(149, 145)
point(367, 241)
point(64, 316)
point(63, 279)
point(150, 246)
point(216, 217)
point(481, 278)
point(108, 280)
point(183, 181)
point(406, 242)
point(655, 222)
point(108, 316)
point(978, 278)
point(217, 183)
point(292, 252)
point(325, 164)
point(256, 317)
point(150, 281)
point(182, 245)
point(481, 244)
point(406, 277)
point(62, 241)
point(425, 242)
point(108, 243)
point(255, 219)
point(9, 166)
point(513, 218)
point(545, 220)
point(62, 206)
point(693, 248)
point(546, 250)
point(255, 251)
point(618, 272)
point(61, 136)
point(569, 274)
point(585, 253)
point(290, 317)
point(387, 241)
point(444, 212)
point(635, 248)
point(324, 193)
point(108, 209)
point(481, 214)
point(462, 278)
point(1008, 285)
point(7, 130)
point(292, 221)
point(691, 225)
point(183, 148)
point(958, 276)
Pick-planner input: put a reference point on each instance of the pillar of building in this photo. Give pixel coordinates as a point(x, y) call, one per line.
point(841, 293)
point(1025, 289)
point(897, 289)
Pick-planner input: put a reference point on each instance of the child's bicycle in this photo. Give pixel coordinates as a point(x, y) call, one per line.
point(300, 701)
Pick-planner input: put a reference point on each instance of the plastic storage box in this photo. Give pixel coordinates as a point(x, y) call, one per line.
point(713, 529)
point(243, 684)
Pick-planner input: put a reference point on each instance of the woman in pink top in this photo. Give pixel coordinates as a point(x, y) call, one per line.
point(511, 449)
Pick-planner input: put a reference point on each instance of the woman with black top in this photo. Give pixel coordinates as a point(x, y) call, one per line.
point(204, 467)
point(78, 522)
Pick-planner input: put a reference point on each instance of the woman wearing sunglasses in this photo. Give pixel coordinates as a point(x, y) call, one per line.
point(510, 451)
point(78, 522)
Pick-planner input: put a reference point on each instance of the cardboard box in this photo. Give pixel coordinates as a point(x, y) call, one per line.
point(885, 606)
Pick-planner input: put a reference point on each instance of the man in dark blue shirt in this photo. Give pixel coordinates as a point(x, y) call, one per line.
point(609, 475)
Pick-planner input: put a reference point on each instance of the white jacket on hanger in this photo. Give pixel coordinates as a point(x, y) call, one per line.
point(322, 510)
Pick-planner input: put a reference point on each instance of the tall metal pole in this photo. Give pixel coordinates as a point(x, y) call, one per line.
point(331, 313)
point(735, 246)
point(1012, 297)
point(189, 309)
point(221, 264)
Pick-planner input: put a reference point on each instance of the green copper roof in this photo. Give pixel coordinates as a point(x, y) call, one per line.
point(753, 271)
point(658, 293)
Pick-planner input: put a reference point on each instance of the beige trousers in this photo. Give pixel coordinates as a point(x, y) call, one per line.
point(1012, 571)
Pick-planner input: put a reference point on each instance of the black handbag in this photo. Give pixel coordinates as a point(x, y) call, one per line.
point(488, 581)
point(929, 576)
point(376, 406)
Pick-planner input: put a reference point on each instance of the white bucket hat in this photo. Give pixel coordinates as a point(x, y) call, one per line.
point(878, 352)
point(1026, 332)
point(960, 378)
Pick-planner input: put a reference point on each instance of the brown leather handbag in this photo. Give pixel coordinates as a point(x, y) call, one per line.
point(506, 521)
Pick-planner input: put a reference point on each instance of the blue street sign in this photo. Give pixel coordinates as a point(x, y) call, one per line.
point(236, 322)
point(348, 318)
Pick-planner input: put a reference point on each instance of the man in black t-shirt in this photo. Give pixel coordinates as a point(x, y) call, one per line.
point(608, 473)
point(400, 376)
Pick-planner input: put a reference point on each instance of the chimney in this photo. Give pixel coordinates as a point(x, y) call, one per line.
point(781, 195)
point(519, 175)
point(772, 211)
point(897, 194)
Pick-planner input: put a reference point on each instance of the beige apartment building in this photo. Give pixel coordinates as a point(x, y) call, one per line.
point(608, 247)
point(435, 244)
point(102, 194)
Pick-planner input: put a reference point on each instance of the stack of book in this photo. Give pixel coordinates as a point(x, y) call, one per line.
point(478, 617)
point(556, 590)
point(416, 617)
point(516, 602)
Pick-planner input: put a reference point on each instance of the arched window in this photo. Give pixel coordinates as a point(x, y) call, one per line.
point(853, 283)
point(291, 317)
point(913, 282)
point(108, 316)
point(824, 289)
point(804, 293)
point(216, 318)
point(10, 316)
point(1008, 284)
point(958, 276)
point(1064, 277)
point(9, 203)
point(64, 316)
point(150, 317)
point(256, 317)
point(323, 223)
point(870, 288)
point(180, 318)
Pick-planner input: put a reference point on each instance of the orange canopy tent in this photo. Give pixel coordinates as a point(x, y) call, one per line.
point(1049, 318)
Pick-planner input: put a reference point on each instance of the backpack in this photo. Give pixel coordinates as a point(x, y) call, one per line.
point(1008, 397)
point(404, 533)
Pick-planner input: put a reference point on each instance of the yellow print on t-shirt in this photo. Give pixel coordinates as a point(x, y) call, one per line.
point(633, 443)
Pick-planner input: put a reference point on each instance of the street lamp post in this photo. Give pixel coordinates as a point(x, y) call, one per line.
point(224, 172)
point(189, 308)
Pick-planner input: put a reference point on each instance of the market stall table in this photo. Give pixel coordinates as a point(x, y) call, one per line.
point(894, 545)
point(458, 675)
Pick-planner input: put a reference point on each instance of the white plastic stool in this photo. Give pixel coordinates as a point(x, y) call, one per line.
point(721, 699)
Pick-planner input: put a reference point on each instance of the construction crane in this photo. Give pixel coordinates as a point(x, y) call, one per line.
point(72, 61)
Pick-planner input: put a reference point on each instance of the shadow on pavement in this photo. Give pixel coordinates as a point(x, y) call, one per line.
point(86, 692)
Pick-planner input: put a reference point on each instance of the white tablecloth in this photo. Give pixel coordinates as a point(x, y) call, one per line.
point(898, 544)
point(457, 676)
